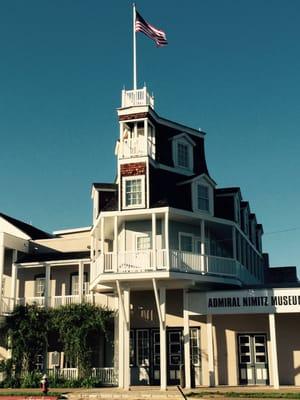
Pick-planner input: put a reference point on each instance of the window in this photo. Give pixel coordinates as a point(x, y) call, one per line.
point(133, 192)
point(202, 198)
point(195, 346)
point(142, 347)
point(131, 346)
point(75, 284)
point(185, 242)
point(182, 155)
point(39, 290)
point(143, 242)
point(182, 148)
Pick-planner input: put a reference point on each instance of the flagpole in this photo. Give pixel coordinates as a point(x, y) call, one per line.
point(134, 51)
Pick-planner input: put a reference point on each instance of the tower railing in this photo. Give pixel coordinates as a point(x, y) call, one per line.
point(139, 97)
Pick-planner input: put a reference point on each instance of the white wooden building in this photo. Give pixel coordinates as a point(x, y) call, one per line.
point(178, 259)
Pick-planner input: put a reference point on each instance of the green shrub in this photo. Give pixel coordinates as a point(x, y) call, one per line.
point(31, 380)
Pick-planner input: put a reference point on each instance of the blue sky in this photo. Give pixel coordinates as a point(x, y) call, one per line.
point(231, 68)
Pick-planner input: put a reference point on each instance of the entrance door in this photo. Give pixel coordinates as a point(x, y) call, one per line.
point(253, 360)
point(174, 343)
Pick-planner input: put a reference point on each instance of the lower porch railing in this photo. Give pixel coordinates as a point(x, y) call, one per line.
point(107, 376)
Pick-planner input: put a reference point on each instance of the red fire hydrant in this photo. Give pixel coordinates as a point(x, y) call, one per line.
point(44, 384)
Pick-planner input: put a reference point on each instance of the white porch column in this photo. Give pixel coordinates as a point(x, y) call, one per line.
point(124, 336)
point(167, 244)
point(2, 260)
point(272, 327)
point(186, 340)
point(202, 249)
point(163, 339)
point(127, 339)
point(92, 247)
point(14, 277)
point(160, 301)
point(47, 285)
point(80, 280)
point(116, 236)
point(154, 258)
point(121, 345)
point(102, 243)
point(210, 351)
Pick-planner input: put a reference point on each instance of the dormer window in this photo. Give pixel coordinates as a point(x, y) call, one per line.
point(202, 191)
point(202, 197)
point(134, 191)
point(183, 159)
point(182, 148)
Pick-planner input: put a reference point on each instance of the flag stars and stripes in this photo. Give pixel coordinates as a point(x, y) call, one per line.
point(153, 33)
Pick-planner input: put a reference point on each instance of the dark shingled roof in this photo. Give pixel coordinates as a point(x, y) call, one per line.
point(228, 190)
point(30, 230)
point(112, 186)
point(54, 256)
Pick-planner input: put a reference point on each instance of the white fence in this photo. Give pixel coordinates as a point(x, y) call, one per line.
point(106, 376)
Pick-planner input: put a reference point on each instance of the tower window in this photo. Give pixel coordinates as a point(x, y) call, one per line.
point(134, 192)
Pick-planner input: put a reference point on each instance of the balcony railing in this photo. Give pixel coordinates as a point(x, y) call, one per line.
point(8, 304)
point(135, 147)
point(139, 97)
point(176, 260)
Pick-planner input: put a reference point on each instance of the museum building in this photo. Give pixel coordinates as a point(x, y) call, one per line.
point(178, 259)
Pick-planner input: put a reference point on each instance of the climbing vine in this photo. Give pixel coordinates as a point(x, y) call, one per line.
point(26, 332)
point(77, 324)
point(29, 328)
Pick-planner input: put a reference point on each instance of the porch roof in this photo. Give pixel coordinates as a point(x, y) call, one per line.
point(53, 256)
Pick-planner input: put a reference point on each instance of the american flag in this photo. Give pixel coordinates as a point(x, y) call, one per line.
point(153, 33)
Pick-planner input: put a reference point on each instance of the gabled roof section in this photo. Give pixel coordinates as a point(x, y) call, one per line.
point(184, 136)
point(31, 231)
point(195, 178)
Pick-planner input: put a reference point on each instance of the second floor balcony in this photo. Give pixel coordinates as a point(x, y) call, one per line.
point(136, 262)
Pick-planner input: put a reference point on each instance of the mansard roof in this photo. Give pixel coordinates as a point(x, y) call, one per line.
point(31, 231)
